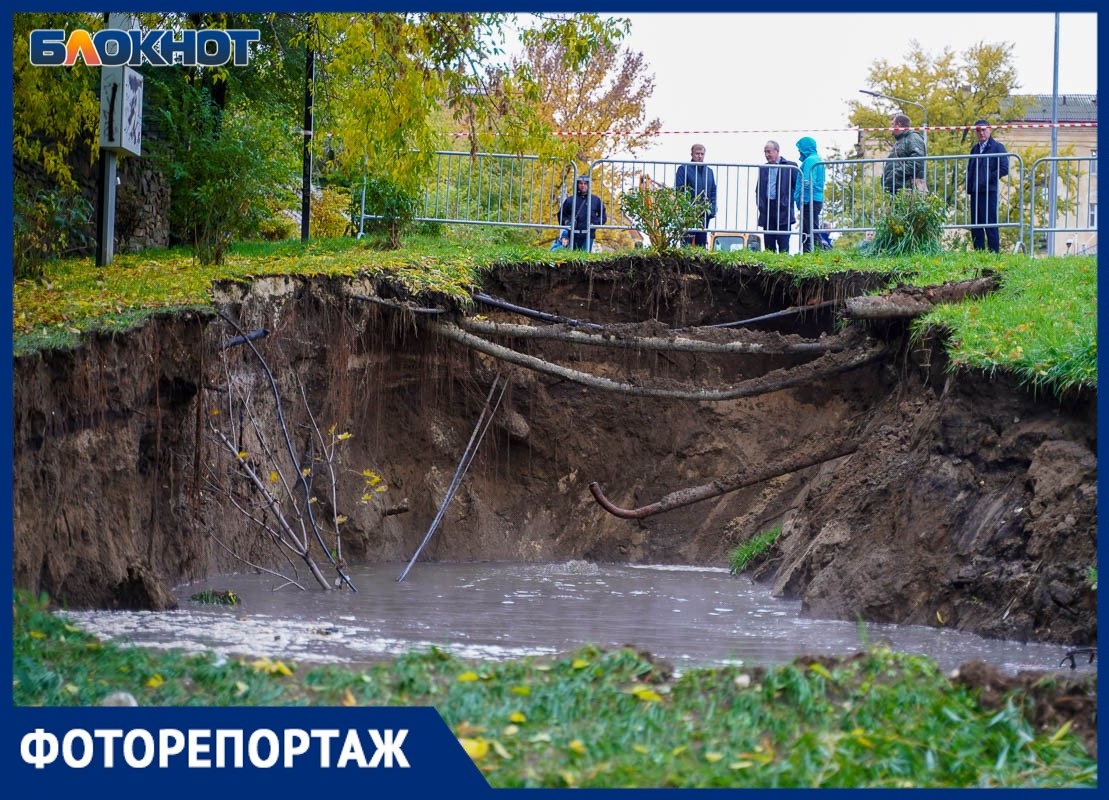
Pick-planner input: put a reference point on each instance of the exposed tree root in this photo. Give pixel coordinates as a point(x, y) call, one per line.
point(822, 367)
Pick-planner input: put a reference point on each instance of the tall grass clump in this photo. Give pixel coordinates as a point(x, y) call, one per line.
point(741, 556)
point(913, 224)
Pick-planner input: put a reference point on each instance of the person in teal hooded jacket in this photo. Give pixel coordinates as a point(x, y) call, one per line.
point(808, 193)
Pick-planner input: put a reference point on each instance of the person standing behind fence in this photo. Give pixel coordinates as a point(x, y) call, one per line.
point(982, 176)
point(905, 167)
point(808, 193)
point(581, 213)
point(774, 198)
point(696, 180)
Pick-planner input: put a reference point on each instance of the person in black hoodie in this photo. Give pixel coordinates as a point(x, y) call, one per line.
point(581, 213)
point(774, 198)
point(982, 177)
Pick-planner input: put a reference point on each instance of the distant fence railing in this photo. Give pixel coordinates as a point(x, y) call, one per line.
point(526, 191)
point(1075, 206)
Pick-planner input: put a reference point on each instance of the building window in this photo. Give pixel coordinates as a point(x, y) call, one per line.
point(1093, 163)
point(1093, 216)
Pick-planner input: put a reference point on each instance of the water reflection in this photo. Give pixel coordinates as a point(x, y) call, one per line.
point(691, 616)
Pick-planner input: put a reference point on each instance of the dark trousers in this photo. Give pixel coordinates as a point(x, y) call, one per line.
point(698, 238)
point(581, 240)
point(810, 221)
point(776, 242)
point(983, 211)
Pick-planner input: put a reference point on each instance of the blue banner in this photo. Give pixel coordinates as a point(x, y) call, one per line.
point(180, 752)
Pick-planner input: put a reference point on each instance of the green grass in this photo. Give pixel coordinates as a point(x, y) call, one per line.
point(1041, 325)
point(597, 718)
point(742, 555)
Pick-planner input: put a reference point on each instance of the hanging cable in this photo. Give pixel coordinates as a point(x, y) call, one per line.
point(485, 419)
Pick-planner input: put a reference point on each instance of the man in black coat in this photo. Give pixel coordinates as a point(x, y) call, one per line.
point(983, 173)
point(581, 213)
point(774, 197)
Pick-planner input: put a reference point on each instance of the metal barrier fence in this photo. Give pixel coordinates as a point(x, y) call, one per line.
point(1071, 209)
point(488, 189)
point(525, 191)
point(855, 197)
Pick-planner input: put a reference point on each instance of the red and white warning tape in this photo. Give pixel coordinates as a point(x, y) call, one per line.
point(999, 126)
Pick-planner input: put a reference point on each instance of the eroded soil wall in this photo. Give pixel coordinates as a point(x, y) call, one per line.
point(968, 502)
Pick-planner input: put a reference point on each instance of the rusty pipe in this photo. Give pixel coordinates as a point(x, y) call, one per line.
point(729, 483)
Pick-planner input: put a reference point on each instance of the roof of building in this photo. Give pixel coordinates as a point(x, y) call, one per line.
point(1071, 108)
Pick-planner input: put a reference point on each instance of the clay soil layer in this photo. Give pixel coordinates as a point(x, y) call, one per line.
point(957, 499)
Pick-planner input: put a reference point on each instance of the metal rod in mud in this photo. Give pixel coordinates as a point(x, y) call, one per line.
point(484, 420)
point(728, 483)
point(533, 313)
point(774, 315)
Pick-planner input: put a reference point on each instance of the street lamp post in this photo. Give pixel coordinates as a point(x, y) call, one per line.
point(923, 110)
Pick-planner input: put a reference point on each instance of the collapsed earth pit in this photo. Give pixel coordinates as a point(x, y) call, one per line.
point(905, 493)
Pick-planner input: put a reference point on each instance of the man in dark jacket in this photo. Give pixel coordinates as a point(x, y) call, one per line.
point(774, 198)
point(982, 176)
point(905, 167)
point(581, 212)
point(696, 180)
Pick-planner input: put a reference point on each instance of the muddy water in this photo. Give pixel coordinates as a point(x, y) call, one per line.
point(689, 616)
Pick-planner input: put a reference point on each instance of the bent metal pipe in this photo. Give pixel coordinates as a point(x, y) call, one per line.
point(729, 483)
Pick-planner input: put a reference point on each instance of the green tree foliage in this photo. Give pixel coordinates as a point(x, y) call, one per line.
point(224, 168)
point(956, 89)
point(55, 111)
point(607, 90)
point(394, 86)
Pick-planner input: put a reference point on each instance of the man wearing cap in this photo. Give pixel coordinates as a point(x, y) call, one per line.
point(584, 210)
point(984, 168)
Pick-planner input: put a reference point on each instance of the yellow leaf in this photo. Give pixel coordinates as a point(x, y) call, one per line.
point(38, 635)
point(1059, 734)
point(475, 748)
point(517, 716)
point(569, 778)
point(69, 687)
point(579, 663)
point(713, 757)
point(510, 730)
point(243, 455)
point(641, 749)
point(646, 695)
point(348, 699)
point(468, 677)
point(241, 688)
point(155, 681)
point(820, 670)
point(523, 691)
point(339, 520)
point(344, 436)
point(741, 764)
point(577, 746)
point(274, 477)
point(501, 751)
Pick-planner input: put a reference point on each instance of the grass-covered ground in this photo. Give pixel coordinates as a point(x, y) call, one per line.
point(1041, 325)
point(611, 718)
